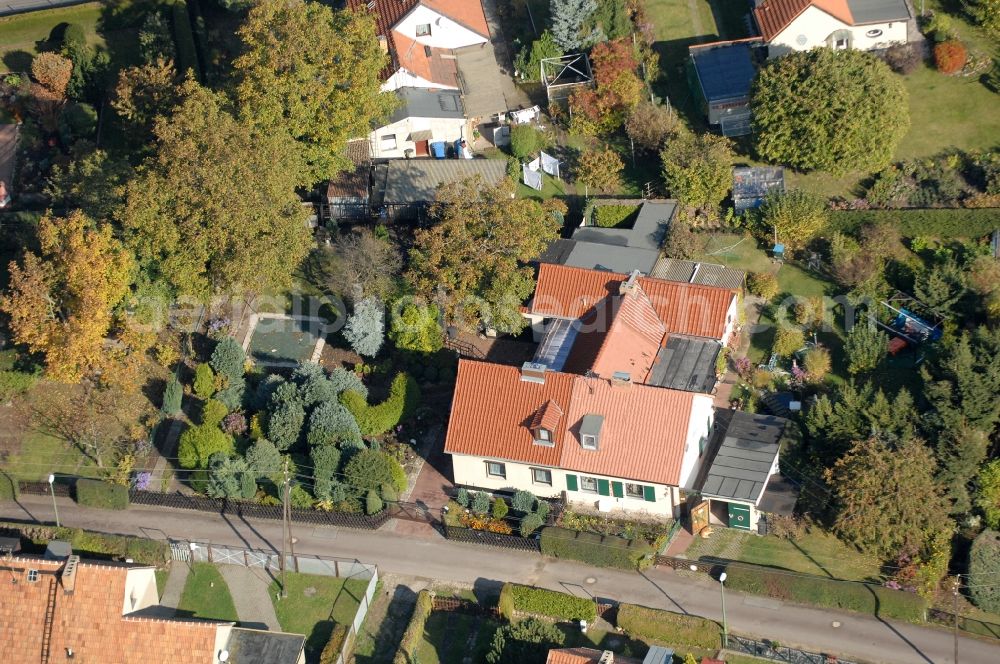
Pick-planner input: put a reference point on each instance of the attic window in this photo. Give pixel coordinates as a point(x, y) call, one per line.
point(590, 431)
point(589, 442)
point(423, 29)
point(32, 576)
point(543, 437)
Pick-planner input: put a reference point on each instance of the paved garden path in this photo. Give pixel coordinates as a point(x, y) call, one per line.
point(248, 588)
point(175, 585)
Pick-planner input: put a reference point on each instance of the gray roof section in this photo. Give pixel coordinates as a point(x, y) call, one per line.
point(253, 646)
point(878, 11)
point(780, 496)
point(647, 233)
point(686, 363)
point(591, 424)
point(416, 180)
point(692, 272)
point(594, 256)
point(724, 72)
point(421, 103)
point(740, 469)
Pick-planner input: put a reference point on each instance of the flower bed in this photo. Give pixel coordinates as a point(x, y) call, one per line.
point(650, 531)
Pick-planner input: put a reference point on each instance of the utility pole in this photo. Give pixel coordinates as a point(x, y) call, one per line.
point(954, 610)
point(284, 527)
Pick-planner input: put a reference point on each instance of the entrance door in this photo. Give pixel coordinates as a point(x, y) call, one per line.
point(422, 148)
point(699, 517)
point(739, 516)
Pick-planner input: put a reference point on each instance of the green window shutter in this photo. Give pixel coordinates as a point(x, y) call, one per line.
point(603, 487)
point(571, 482)
point(649, 493)
point(617, 490)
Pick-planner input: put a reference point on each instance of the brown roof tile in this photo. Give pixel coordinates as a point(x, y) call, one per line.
point(633, 338)
point(773, 16)
point(90, 621)
point(573, 656)
point(547, 417)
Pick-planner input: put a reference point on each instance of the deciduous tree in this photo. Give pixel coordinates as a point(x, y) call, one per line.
point(649, 125)
point(313, 73)
point(472, 261)
point(215, 210)
point(795, 216)
point(829, 110)
point(61, 302)
point(987, 14)
point(365, 265)
point(698, 170)
point(617, 89)
point(145, 92)
point(600, 170)
point(416, 326)
point(52, 71)
point(199, 443)
point(988, 493)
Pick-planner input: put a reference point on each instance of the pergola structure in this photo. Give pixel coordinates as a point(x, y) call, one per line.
point(564, 75)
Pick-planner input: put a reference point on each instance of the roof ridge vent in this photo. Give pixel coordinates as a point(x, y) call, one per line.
point(68, 575)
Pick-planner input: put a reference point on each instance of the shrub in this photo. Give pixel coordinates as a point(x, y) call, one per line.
point(228, 359)
point(523, 501)
point(285, 424)
point(595, 549)
point(332, 423)
point(524, 141)
point(524, 642)
point(462, 497)
point(500, 508)
point(103, 495)
point(787, 340)
point(903, 58)
point(530, 523)
point(213, 412)
point(416, 327)
point(204, 381)
point(955, 222)
point(15, 383)
point(950, 56)
point(681, 241)
point(264, 458)
point(172, 395)
point(818, 591)
point(763, 285)
point(541, 602)
point(984, 569)
point(198, 443)
point(988, 493)
point(365, 328)
point(529, 59)
point(663, 626)
point(378, 419)
point(480, 503)
point(368, 470)
point(615, 216)
point(331, 651)
point(77, 121)
point(373, 504)
point(816, 363)
point(235, 423)
point(232, 394)
point(9, 489)
point(414, 633)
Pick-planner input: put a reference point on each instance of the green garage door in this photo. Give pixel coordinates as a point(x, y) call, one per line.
point(739, 516)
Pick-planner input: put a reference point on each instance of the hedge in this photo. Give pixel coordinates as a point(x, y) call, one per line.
point(104, 495)
point(942, 222)
point(333, 647)
point(615, 216)
point(414, 633)
point(378, 419)
point(596, 549)
point(849, 595)
point(187, 56)
point(541, 602)
point(93, 545)
point(9, 489)
point(984, 568)
point(673, 629)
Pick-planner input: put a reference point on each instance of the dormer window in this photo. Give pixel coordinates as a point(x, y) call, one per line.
point(589, 442)
point(543, 436)
point(590, 431)
point(544, 423)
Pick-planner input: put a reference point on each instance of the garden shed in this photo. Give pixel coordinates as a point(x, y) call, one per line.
point(722, 74)
point(752, 184)
point(404, 187)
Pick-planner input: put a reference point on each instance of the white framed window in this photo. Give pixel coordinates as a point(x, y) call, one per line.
point(32, 575)
point(588, 441)
point(588, 484)
point(543, 437)
point(840, 44)
point(388, 142)
point(496, 469)
point(633, 490)
point(541, 476)
point(423, 29)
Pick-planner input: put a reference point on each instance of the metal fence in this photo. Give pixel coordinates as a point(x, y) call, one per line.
point(471, 536)
point(344, 568)
point(778, 653)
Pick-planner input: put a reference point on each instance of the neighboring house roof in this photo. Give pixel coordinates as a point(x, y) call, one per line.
point(724, 72)
point(690, 309)
point(90, 620)
point(685, 363)
point(583, 656)
point(253, 646)
point(421, 103)
point(642, 436)
point(610, 258)
point(749, 449)
point(773, 16)
point(417, 180)
point(878, 11)
point(427, 62)
point(468, 13)
point(706, 274)
point(349, 185)
point(621, 249)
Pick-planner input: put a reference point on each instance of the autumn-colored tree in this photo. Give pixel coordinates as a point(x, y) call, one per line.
point(144, 92)
point(52, 71)
point(315, 73)
point(60, 302)
point(215, 210)
point(617, 89)
point(950, 56)
point(471, 261)
point(600, 170)
point(698, 170)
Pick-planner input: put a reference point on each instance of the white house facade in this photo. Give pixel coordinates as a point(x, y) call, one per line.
point(424, 117)
point(431, 28)
point(801, 25)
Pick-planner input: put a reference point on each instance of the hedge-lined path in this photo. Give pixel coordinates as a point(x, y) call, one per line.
point(248, 587)
point(856, 635)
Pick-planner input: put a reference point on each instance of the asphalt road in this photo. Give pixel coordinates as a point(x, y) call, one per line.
point(9, 7)
point(844, 634)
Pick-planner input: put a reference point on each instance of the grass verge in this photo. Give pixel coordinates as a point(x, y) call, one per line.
point(314, 605)
point(206, 595)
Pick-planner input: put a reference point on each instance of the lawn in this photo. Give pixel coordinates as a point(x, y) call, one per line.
point(21, 35)
point(314, 605)
point(161, 580)
point(449, 637)
point(42, 453)
point(206, 595)
point(732, 250)
point(816, 552)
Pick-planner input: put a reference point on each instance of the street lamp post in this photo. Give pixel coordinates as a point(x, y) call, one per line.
point(52, 490)
point(725, 628)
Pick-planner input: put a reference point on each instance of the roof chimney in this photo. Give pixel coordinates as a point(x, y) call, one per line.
point(383, 43)
point(621, 379)
point(68, 575)
point(607, 657)
point(631, 284)
point(533, 372)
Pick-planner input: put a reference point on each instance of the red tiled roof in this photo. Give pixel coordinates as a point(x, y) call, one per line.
point(633, 338)
point(642, 436)
point(90, 620)
point(468, 13)
point(414, 57)
point(773, 16)
point(690, 309)
point(547, 417)
point(573, 656)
